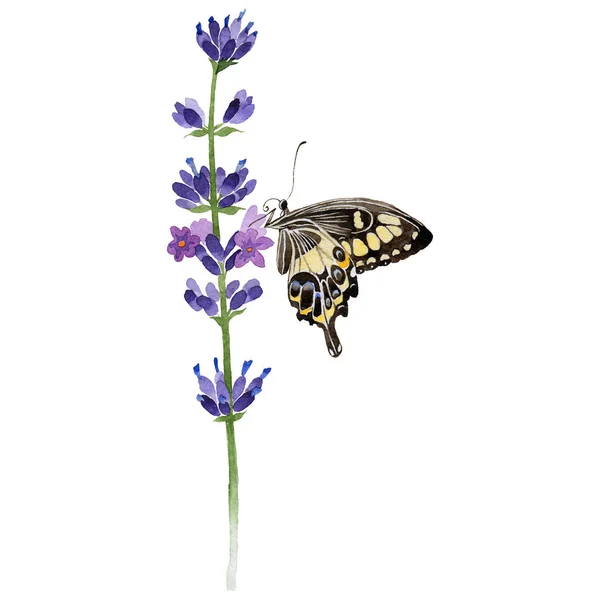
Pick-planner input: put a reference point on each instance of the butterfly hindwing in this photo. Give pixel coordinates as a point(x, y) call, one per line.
point(322, 278)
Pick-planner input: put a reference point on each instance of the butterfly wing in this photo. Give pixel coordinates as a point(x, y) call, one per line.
point(323, 246)
point(321, 279)
point(374, 233)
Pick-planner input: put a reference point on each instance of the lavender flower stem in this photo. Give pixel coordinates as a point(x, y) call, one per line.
point(211, 154)
point(233, 505)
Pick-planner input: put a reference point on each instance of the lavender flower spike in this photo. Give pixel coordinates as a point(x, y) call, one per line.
point(240, 109)
point(226, 45)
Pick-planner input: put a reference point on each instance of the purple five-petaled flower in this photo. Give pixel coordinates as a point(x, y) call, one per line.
point(184, 243)
point(250, 244)
point(217, 400)
point(189, 115)
point(240, 109)
point(228, 44)
point(199, 301)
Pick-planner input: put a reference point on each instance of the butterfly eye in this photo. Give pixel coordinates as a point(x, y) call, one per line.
point(283, 205)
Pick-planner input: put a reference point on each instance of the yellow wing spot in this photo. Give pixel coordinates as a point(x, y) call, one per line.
point(359, 247)
point(371, 260)
point(358, 222)
point(384, 257)
point(395, 252)
point(384, 233)
point(414, 235)
point(406, 247)
point(346, 246)
point(388, 219)
point(373, 241)
point(395, 230)
point(306, 310)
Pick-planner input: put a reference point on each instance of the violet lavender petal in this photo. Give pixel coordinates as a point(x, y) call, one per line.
point(243, 173)
point(232, 261)
point(233, 107)
point(214, 28)
point(232, 286)
point(190, 298)
point(208, 404)
point(238, 300)
point(206, 386)
point(192, 118)
point(187, 178)
point(229, 184)
point(185, 203)
point(243, 114)
point(224, 37)
point(222, 392)
point(210, 49)
point(192, 285)
point(230, 245)
point(183, 191)
point(212, 292)
point(242, 51)
point(193, 104)
point(227, 201)
point(210, 265)
point(208, 305)
point(244, 401)
point(236, 25)
point(224, 408)
point(220, 177)
point(254, 293)
point(227, 50)
point(200, 251)
point(214, 246)
point(180, 120)
point(250, 185)
point(238, 387)
point(202, 185)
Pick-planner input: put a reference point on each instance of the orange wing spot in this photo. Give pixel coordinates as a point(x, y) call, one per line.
point(344, 264)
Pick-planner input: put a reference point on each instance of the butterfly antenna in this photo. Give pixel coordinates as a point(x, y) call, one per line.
point(294, 169)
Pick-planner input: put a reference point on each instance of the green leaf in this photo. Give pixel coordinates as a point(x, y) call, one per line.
point(219, 320)
point(198, 132)
point(219, 126)
point(228, 417)
point(221, 66)
point(235, 313)
point(225, 131)
point(230, 210)
point(200, 209)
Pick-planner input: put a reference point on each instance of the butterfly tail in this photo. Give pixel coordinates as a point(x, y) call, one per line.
point(332, 340)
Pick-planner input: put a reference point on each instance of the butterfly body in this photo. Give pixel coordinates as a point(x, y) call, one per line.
point(324, 246)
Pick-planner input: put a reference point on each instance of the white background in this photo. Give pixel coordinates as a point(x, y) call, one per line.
point(451, 451)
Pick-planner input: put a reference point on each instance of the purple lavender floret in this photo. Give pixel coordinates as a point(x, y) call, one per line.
point(240, 109)
point(228, 44)
point(216, 398)
point(251, 291)
point(214, 253)
point(193, 186)
point(233, 187)
point(189, 115)
point(209, 301)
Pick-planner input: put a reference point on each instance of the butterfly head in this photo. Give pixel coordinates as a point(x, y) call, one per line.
point(273, 206)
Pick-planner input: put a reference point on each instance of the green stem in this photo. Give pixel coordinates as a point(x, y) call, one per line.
point(211, 154)
point(233, 497)
point(233, 505)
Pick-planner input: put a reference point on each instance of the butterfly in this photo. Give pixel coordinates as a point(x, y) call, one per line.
point(324, 246)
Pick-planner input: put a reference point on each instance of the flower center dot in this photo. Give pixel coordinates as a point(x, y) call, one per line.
point(249, 249)
point(181, 244)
